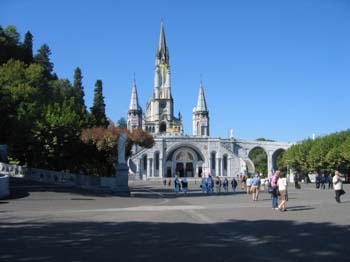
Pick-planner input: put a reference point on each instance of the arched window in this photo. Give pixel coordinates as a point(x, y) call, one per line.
point(212, 159)
point(225, 162)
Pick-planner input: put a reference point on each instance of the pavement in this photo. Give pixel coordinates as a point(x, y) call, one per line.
point(42, 222)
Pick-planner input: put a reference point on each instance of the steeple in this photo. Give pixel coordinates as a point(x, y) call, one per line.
point(135, 112)
point(134, 101)
point(200, 117)
point(162, 55)
point(201, 104)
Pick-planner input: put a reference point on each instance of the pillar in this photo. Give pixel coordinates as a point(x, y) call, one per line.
point(161, 168)
point(149, 167)
point(217, 167)
point(140, 167)
point(269, 164)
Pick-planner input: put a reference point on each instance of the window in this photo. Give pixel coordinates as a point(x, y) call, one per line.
point(156, 157)
point(225, 162)
point(212, 159)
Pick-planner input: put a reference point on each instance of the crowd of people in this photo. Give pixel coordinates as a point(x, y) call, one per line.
point(277, 186)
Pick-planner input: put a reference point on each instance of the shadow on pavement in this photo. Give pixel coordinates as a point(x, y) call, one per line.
point(236, 240)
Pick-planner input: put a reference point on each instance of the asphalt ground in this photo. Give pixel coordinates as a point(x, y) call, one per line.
point(41, 222)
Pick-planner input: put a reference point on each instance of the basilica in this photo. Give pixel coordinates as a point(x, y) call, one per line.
point(176, 153)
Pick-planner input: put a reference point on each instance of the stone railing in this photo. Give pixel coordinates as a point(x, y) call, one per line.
point(59, 178)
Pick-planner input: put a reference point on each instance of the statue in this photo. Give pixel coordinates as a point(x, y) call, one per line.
point(121, 149)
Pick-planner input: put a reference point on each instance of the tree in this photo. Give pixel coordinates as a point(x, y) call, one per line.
point(9, 44)
point(98, 113)
point(56, 135)
point(19, 105)
point(122, 122)
point(27, 47)
point(259, 158)
point(78, 93)
point(104, 141)
point(43, 58)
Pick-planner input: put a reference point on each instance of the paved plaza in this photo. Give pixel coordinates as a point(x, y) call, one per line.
point(52, 223)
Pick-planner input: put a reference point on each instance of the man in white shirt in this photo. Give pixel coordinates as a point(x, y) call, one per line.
point(338, 185)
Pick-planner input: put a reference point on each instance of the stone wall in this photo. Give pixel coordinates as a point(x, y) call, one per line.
point(59, 178)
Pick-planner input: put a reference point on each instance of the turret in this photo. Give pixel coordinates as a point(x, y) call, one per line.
point(200, 118)
point(135, 112)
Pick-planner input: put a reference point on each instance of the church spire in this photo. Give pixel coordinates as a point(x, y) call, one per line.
point(201, 104)
point(162, 56)
point(200, 117)
point(135, 112)
point(134, 101)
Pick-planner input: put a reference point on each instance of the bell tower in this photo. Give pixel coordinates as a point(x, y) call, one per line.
point(200, 115)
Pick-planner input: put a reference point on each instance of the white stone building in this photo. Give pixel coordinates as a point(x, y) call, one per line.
point(175, 153)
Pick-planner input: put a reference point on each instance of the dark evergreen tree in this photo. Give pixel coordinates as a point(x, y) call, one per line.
point(28, 48)
point(43, 58)
point(78, 90)
point(9, 44)
point(98, 113)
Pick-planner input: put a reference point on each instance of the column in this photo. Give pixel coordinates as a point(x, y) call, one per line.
point(217, 167)
point(229, 167)
point(161, 169)
point(269, 164)
point(149, 166)
point(140, 167)
point(222, 167)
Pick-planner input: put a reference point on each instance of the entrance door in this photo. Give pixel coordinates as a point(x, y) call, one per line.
point(180, 169)
point(189, 169)
point(200, 171)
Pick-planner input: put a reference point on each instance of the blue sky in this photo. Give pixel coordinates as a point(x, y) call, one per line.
point(278, 69)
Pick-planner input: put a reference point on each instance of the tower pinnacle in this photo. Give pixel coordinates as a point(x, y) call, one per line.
point(162, 56)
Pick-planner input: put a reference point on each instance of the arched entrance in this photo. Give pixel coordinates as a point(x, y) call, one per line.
point(162, 127)
point(259, 158)
point(184, 162)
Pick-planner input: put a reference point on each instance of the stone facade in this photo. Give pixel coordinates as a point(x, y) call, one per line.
point(175, 153)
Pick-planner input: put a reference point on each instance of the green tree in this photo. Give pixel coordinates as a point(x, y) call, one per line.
point(9, 44)
point(43, 58)
point(98, 113)
point(28, 48)
point(259, 158)
point(122, 122)
point(19, 105)
point(78, 92)
point(56, 134)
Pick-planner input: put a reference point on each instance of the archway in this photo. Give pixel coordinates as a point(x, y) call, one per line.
point(162, 127)
point(184, 161)
point(259, 157)
point(277, 160)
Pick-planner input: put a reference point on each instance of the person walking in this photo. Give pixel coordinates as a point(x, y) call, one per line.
point(330, 182)
point(225, 185)
point(218, 184)
point(210, 184)
point(234, 184)
point(256, 182)
point(184, 185)
point(338, 186)
point(177, 184)
point(204, 184)
point(282, 188)
point(323, 181)
point(274, 190)
point(248, 185)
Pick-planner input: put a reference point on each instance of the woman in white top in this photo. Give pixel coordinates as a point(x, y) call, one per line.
point(282, 188)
